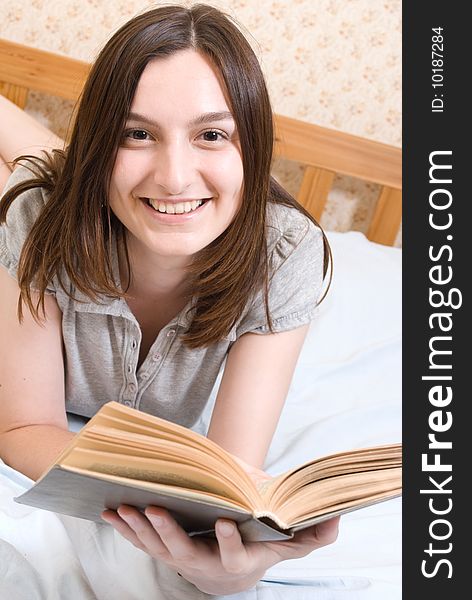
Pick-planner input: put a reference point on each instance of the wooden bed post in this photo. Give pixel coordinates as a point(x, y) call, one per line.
point(387, 217)
point(314, 190)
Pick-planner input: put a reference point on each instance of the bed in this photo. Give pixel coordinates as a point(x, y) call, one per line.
point(346, 393)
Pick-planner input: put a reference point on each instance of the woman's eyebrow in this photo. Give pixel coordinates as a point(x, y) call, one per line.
point(209, 117)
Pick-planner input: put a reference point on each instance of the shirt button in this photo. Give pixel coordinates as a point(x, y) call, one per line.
point(156, 357)
point(131, 387)
point(130, 368)
point(127, 403)
point(144, 376)
point(171, 332)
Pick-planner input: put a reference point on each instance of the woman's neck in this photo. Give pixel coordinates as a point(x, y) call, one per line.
point(152, 276)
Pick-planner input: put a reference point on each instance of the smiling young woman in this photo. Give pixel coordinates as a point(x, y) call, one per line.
point(150, 252)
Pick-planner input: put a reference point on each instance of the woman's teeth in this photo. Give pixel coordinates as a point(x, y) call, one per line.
point(174, 208)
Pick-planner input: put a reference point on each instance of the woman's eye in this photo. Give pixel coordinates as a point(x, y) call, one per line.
point(213, 136)
point(137, 134)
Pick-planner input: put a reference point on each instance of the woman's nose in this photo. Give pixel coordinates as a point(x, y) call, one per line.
point(174, 169)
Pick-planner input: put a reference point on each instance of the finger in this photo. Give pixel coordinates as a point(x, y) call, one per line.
point(233, 554)
point(180, 547)
point(327, 532)
point(306, 540)
point(319, 535)
point(111, 517)
point(312, 538)
point(145, 532)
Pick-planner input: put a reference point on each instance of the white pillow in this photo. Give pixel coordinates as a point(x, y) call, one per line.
point(346, 389)
point(363, 305)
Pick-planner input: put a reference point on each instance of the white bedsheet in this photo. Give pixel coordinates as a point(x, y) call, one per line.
point(346, 393)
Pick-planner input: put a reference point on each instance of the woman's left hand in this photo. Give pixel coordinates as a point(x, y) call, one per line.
point(221, 566)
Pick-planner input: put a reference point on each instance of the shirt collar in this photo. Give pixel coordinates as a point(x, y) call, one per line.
point(107, 305)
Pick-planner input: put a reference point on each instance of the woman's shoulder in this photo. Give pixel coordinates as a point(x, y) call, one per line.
point(20, 217)
point(296, 258)
point(289, 230)
point(29, 202)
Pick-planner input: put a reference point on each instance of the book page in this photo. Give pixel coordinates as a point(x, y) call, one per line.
point(332, 494)
point(281, 488)
point(153, 470)
point(123, 441)
point(164, 490)
point(115, 416)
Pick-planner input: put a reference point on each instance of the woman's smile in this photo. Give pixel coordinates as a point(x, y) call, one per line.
point(175, 211)
point(184, 205)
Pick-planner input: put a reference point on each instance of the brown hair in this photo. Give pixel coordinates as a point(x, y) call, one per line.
point(73, 233)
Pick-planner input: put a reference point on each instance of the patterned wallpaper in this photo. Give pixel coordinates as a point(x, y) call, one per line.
point(336, 63)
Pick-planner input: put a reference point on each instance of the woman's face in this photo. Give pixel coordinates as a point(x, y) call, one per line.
point(177, 180)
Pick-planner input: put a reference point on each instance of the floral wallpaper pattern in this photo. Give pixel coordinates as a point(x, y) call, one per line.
point(336, 63)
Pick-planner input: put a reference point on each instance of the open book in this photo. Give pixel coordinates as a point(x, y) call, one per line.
point(124, 456)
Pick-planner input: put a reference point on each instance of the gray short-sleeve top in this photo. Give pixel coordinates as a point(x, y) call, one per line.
point(102, 340)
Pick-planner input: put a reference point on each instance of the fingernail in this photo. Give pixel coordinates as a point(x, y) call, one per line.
point(226, 529)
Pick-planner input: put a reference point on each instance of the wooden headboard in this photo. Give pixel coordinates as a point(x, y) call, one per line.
point(324, 152)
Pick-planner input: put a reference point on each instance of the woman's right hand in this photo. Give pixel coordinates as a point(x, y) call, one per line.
point(222, 566)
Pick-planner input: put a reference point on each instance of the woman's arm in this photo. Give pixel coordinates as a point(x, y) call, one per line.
point(21, 134)
point(33, 422)
point(257, 376)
